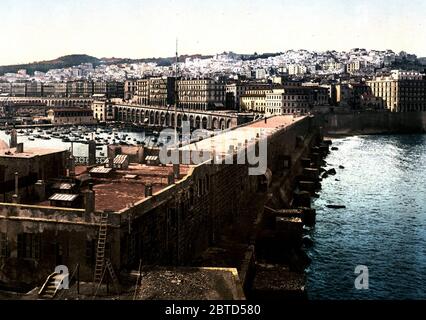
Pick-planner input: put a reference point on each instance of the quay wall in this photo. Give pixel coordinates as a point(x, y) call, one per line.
point(375, 123)
point(173, 227)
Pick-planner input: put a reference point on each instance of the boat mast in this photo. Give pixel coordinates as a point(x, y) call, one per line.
point(176, 93)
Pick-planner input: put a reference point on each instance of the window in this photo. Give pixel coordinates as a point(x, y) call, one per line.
point(4, 250)
point(29, 245)
point(90, 252)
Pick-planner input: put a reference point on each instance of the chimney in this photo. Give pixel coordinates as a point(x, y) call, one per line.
point(40, 190)
point(19, 148)
point(176, 171)
point(71, 166)
point(15, 197)
point(89, 202)
point(92, 152)
point(148, 190)
point(13, 138)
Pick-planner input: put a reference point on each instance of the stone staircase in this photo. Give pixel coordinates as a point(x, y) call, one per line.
point(51, 286)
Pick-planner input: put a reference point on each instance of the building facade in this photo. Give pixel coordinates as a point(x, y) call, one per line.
point(103, 111)
point(235, 90)
point(401, 91)
point(130, 89)
point(71, 116)
point(201, 94)
point(155, 91)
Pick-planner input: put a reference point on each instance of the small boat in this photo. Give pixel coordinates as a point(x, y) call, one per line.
point(335, 206)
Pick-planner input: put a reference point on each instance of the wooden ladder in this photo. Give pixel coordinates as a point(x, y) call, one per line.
point(100, 250)
point(103, 264)
point(113, 276)
point(108, 266)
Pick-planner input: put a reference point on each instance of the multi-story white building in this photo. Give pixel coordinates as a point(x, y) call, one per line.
point(201, 94)
point(296, 69)
point(235, 90)
point(355, 66)
point(274, 102)
point(295, 99)
point(401, 91)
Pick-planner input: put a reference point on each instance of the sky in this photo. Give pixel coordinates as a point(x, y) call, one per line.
point(35, 30)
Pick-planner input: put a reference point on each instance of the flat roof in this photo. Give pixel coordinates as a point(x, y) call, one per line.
point(29, 152)
point(117, 191)
point(222, 141)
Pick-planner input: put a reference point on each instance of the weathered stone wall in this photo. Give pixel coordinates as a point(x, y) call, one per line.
point(176, 225)
point(66, 237)
point(172, 227)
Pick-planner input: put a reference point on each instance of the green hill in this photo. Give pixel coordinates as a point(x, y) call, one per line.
point(43, 66)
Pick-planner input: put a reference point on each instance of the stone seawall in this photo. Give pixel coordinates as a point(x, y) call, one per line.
point(375, 123)
point(206, 219)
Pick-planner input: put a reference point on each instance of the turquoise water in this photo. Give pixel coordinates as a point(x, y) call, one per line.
point(383, 227)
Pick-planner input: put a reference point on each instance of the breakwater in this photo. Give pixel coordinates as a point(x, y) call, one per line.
point(374, 123)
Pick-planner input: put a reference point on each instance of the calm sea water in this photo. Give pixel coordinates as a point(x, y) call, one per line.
point(79, 149)
point(383, 227)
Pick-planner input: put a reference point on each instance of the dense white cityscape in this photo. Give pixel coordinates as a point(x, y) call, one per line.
point(292, 62)
point(238, 152)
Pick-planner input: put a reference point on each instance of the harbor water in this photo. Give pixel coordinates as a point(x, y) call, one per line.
point(54, 138)
point(383, 227)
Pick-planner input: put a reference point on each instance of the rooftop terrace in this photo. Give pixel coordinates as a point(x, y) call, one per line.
point(127, 186)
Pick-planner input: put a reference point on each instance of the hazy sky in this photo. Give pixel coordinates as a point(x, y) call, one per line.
point(33, 30)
